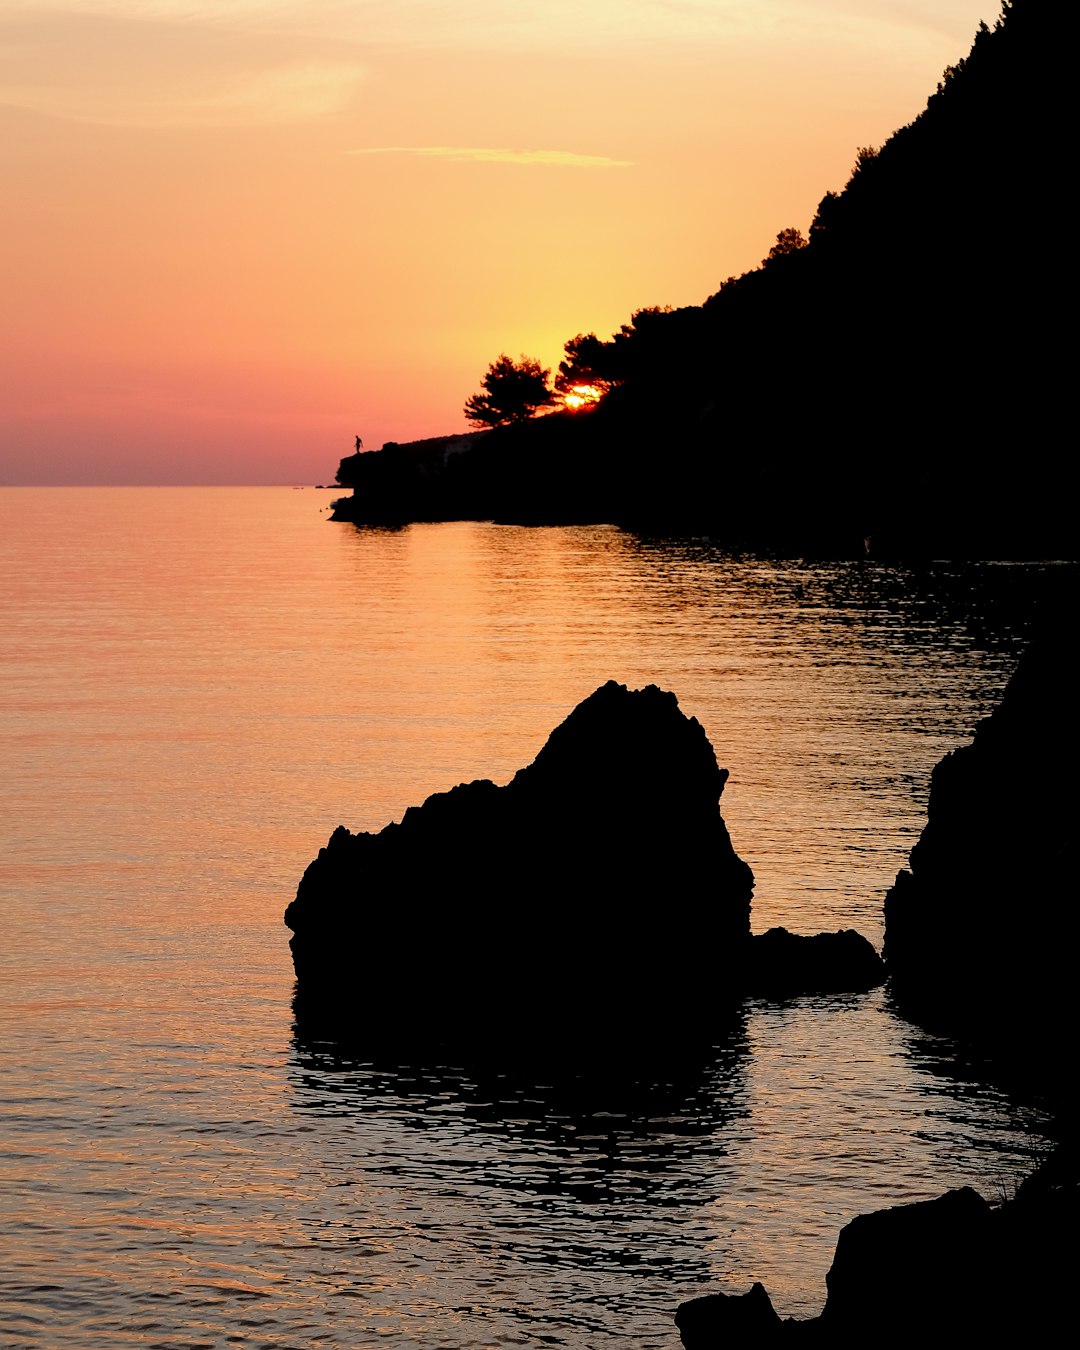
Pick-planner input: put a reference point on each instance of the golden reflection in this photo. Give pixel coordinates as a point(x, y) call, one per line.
point(198, 686)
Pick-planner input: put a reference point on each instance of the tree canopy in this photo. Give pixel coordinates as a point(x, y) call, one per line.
point(788, 241)
point(589, 364)
point(514, 391)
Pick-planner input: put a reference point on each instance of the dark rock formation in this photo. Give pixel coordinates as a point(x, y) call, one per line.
point(598, 888)
point(782, 964)
point(980, 935)
point(910, 1267)
point(950, 1270)
point(550, 471)
point(414, 480)
point(600, 881)
point(718, 1319)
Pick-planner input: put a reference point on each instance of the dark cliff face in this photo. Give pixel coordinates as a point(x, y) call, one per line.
point(601, 880)
point(981, 933)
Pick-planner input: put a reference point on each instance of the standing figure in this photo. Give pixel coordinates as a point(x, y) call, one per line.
point(359, 445)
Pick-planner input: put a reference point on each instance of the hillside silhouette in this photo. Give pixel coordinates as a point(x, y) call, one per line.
point(894, 380)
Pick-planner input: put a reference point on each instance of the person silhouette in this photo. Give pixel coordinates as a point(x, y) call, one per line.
point(359, 445)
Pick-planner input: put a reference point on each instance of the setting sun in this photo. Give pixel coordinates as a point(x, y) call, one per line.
point(512, 648)
point(237, 233)
point(582, 396)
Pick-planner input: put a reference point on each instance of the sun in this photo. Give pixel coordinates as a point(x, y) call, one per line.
point(582, 396)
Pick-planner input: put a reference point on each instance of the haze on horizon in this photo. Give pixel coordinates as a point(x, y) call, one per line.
point(237, 232)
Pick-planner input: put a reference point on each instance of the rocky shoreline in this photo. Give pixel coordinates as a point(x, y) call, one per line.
point(965, 953)
point(950, 1269)
point(614, 836)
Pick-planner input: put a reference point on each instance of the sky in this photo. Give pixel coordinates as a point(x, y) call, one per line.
point(236, 233)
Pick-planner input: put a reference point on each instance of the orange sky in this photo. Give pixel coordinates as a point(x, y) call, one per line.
point(237, 232)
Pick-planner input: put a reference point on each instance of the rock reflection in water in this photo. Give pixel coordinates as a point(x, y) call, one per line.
point(588, 1197)
point(574, 1195)
point(851, 1112)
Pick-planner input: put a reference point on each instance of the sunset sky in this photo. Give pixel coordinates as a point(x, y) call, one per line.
point(237, 232)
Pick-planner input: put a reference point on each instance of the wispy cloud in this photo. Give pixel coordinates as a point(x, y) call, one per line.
point(566, 159)
point(157, 73)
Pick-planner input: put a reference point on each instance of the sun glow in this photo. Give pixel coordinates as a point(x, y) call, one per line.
point(582, 396)
point(223, 249)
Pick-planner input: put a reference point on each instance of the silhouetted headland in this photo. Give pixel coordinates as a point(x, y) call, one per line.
point(406, 482)
point(598, 889)
point(893, 381)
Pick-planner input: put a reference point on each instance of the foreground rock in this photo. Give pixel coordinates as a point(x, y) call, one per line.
point(980, 934)
point(717, 1319)
point(946, 1270)
point(600, 880)
point(599, 887)
point(980, 937)
point(780, 964)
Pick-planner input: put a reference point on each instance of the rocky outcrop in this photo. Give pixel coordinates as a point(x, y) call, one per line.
point(556, 469)
point(720, 1319)
point(949, 1270)
point(599, 887)
point(980, 938)
point(980, 934)
point(913, 1266)
point(782, 964)
point(412, 480)
point(601, 880)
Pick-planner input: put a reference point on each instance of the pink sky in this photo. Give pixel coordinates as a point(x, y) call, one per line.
point(236, 233)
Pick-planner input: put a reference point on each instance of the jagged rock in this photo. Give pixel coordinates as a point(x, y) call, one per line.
point(601, 880)
point(718, 1319)
point(909, 1268)
point(980, 934)
point(957, 1270)
point(782, 964)
point(952, 1270)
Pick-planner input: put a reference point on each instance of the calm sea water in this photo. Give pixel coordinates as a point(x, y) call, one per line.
point(197, 685)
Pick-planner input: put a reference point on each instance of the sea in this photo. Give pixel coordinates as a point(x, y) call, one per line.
point(197, 685)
